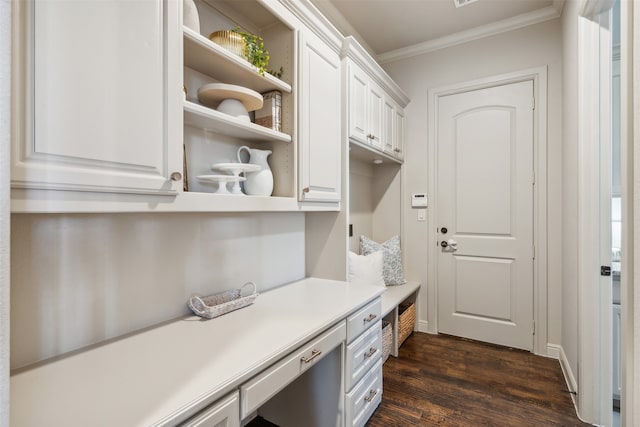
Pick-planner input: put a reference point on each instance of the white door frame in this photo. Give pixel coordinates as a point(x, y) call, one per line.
point(594, 398)
point(5, 214)
point(539, 77)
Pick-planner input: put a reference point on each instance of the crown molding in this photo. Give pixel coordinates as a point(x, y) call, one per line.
point(519, 21)
point(333, 14)
point(352, 50)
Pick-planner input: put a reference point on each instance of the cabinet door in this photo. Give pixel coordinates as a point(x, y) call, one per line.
point(358, 105)
point(388, 126)
point(376, 104)
point(398, 140)
point(223, 413)
point(100, 106)
point(320, 144)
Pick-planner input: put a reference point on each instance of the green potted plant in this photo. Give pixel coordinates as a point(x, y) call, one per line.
point(254, 50)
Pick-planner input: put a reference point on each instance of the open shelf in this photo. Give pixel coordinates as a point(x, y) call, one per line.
point(209, 119)
point(206, 57)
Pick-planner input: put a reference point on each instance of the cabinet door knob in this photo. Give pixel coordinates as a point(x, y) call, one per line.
point(176, 176)
point(305, 190)
point(397, 150)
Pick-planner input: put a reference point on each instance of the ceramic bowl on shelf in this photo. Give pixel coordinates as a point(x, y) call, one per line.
point(222, 181)
point(233, 100)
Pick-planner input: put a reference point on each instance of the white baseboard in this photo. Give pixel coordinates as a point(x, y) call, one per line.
point(423, 326)
point(569, 377)
point(553, 351)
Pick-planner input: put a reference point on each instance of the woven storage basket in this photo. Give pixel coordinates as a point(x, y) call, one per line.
point(406, 321)
point(223, 302)
point(387, 340)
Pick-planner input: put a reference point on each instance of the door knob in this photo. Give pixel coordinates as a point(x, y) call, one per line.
point(444, 230)
point(449, 245)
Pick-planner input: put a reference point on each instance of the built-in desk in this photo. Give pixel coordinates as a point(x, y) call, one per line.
point(167, 374)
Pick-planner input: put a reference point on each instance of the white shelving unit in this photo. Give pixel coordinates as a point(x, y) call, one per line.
point(213, 137)
point(209, 119)
point(207, 57)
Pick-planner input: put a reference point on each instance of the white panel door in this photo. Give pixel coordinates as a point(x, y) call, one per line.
point(485, 214)
point(102, 109)
point(320, 143)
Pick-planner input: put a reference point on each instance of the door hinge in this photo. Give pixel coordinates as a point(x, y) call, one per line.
point(534, 252)
point(533, 327)
point(533, 102)
point(533, 178)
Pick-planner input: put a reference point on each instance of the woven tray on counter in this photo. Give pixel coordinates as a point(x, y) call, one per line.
point(224, 302)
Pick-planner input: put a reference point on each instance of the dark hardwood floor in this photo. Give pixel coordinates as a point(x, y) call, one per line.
point(448, 381)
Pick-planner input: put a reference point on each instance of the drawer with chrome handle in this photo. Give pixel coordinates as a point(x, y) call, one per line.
point(363, 318)
point(362, 354)
point(265, 385)
point(365, 397)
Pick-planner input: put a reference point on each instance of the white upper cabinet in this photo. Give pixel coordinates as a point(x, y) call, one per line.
point(389, 125)
point(97, 107)
point(398, 140)
point(375, 104)
point(358, 104)
point(320, 120)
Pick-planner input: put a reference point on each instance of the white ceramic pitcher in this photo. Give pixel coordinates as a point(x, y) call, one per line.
point(258, 183)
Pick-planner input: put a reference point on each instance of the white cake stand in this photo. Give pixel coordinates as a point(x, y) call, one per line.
point(222, 180)
point(236, 169)
point(233, 100)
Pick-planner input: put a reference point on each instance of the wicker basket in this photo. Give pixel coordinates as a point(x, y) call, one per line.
point(406, 321)
point(387, 340)
point(223, 302)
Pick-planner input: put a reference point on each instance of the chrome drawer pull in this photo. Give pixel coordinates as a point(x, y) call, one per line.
point(370, 318)
point(314, 353)
point(372, 394)
point(371, 352)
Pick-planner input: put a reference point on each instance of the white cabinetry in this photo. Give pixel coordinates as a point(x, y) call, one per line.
point(320, 119)
point(223, 413)
point(94, 102)
point(363, 365)
point(375, 104)
point(398, 139)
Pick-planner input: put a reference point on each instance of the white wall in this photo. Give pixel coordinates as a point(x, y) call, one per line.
point(521, 49)
point(5, 90)
point(80, 279)
point(569, 240)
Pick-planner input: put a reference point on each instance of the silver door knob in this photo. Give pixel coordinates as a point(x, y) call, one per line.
point(176, 176)
point(449, 245)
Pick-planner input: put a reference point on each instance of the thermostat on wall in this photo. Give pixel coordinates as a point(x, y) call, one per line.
point(419, 200)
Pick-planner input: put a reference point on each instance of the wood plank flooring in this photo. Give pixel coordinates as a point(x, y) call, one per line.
point(440, 380)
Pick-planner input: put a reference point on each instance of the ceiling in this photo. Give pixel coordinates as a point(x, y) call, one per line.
point(387, 26)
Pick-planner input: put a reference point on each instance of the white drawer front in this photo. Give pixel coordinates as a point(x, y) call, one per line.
point(362, 354)
point(223, 413)
point(361, 320)
point(265, 385)
point(365, 397)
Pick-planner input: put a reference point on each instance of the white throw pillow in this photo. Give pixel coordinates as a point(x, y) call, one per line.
point(366, 269)
point(392, 258)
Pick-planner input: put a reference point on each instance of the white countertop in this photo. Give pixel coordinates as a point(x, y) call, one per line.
point(150, 377)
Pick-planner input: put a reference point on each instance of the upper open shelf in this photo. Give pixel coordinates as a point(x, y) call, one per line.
point(205, 56)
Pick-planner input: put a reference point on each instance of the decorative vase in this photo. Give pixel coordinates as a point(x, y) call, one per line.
point(258, 183)
point(190, 16)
